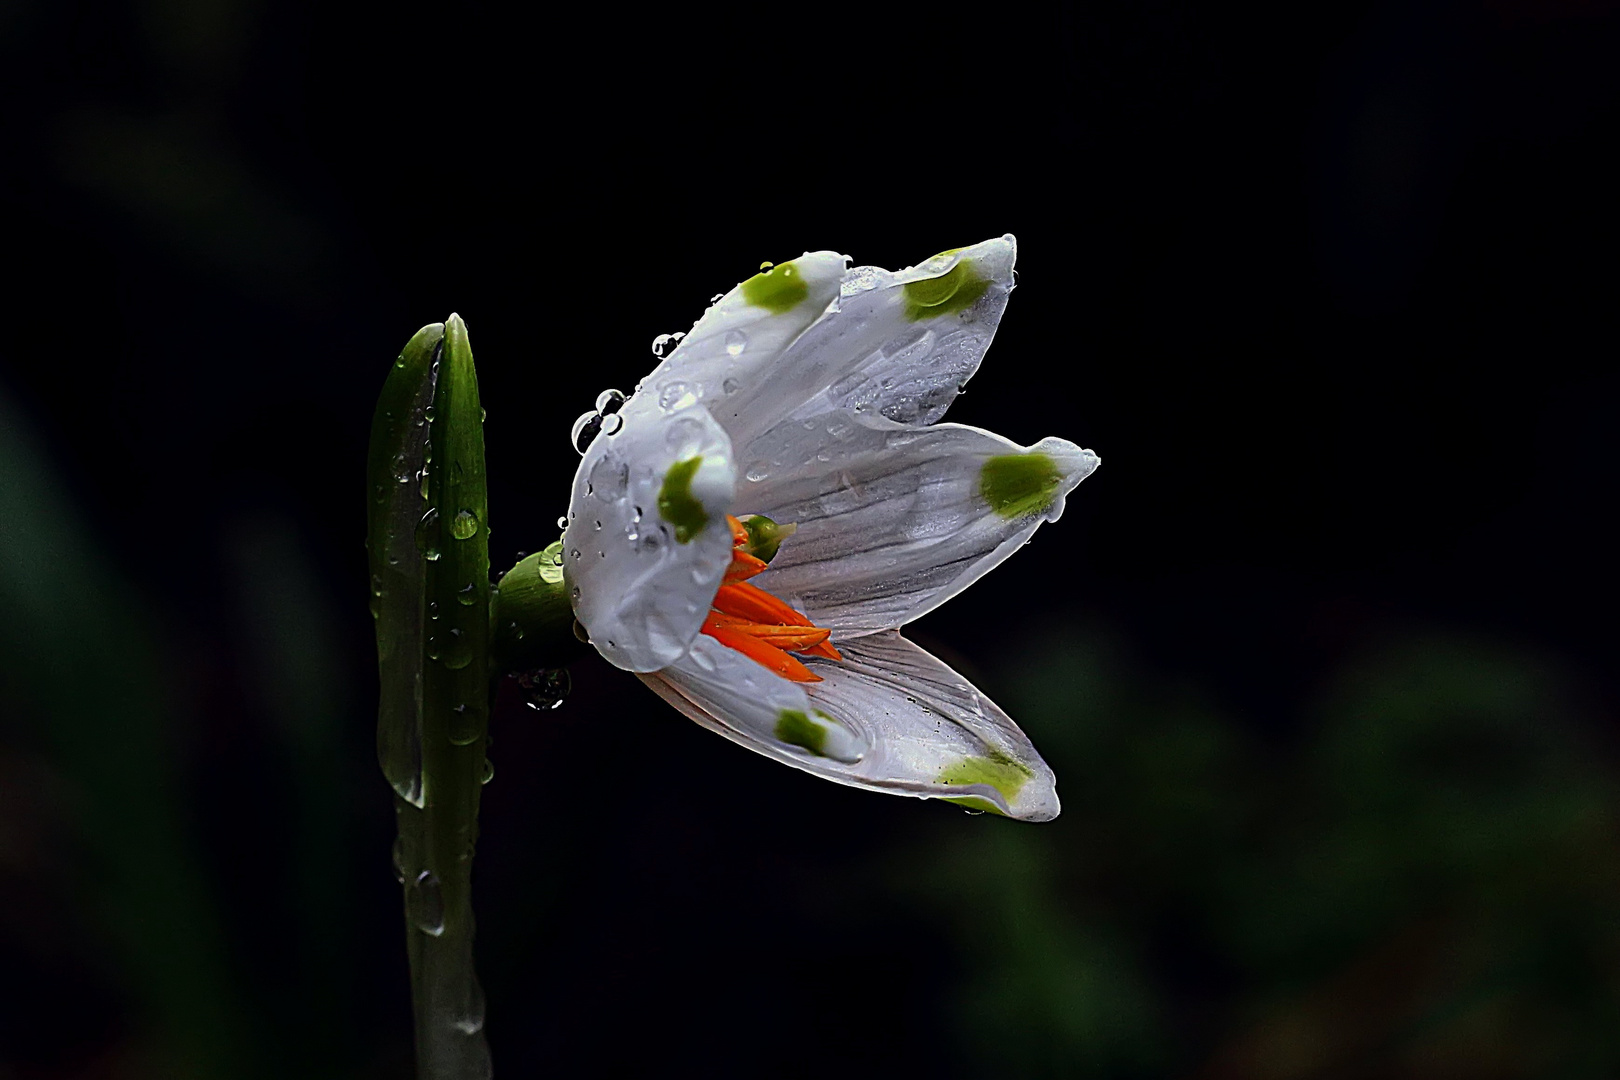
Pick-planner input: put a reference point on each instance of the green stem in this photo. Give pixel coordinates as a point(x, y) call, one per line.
point(432, 602)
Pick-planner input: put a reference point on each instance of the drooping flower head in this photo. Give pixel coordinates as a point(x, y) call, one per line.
point(750, 531)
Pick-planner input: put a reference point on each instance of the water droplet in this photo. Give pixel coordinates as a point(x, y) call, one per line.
point(465, 525)
point(611, 423)
point(736, 342)
point(556, 559)
point(764, 266)
point(456, 650)
point(424, 902)
point(716, 298)
point(759, 470)
point(584, 431)
point(664, 344)
point(609, 401)
point(399, 859)
point(427, 534)
point(471, 1022)
point(467, 595)
point(674, 395)
point(545, 688)
point(731, 386)
point(609, 478)
point(576, 594)
point(562, 522)
point(488, 774)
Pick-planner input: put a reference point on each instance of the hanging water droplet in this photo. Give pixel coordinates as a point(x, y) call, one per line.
point(424, 902)
point(716, 298)
point(764, 266)
point(464, 525)
point(611, 423)
point(545, 688)
point(609, 401)
point(488, 773)
point(562, 522)
point(427, 534)
point(736, 342)
point(584, 430)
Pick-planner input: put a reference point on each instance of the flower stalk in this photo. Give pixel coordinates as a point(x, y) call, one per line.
point(428, 539)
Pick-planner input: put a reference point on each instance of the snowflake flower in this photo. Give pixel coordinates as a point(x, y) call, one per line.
point(751, 529)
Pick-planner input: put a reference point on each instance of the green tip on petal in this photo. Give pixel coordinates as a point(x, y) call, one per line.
point(996, 770)
point(765, 536)
point(676, 503)
point(954, 290)
point(797, 729)
point(1018, 484)
point(778, 289)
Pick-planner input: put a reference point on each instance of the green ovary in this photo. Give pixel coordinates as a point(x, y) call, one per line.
point(1018, 484)
point(778, 289)
point(954, 290)
point(676, 502)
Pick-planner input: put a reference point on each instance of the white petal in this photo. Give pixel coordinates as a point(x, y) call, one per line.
point(730, 354)
point(646, 547)
point(893, 521)
point(726, 692)
point(898, 345)
point(922, 729)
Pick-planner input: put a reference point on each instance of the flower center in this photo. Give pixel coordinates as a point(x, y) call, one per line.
point(758, 625)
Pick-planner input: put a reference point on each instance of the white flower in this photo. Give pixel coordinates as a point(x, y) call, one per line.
point(809, 395)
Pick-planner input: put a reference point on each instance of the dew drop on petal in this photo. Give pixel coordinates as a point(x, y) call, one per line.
point(609, 401)
point(731, 386)
point(585, 430)
point(758, 470)
point(676, 395)
point(736, 342)
point(611, 423)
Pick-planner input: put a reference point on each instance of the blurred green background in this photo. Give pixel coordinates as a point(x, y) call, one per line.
point(1321, 656)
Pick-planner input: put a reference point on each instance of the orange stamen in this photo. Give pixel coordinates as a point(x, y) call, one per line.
point(743, 566)
point(759, 651)
point(754, 604)
point(825, 649)
point(757, 624)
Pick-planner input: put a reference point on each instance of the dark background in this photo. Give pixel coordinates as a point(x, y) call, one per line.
point(1322, 656)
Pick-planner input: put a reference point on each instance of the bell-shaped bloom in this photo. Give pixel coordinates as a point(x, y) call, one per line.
point(751, 530)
